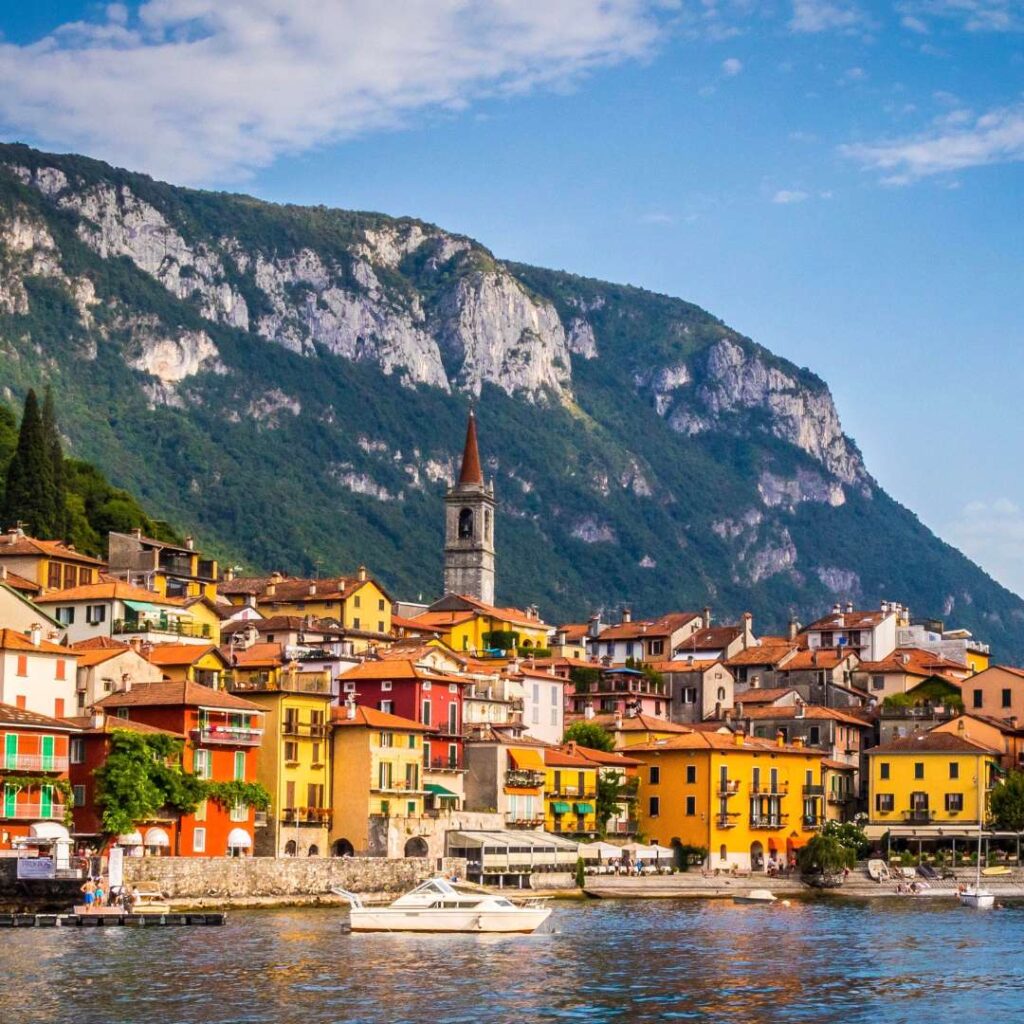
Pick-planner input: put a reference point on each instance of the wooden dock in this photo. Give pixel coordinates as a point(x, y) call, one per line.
point(110, 920)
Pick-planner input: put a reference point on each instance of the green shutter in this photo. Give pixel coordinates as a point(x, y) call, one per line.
point(240, 765)
point(11, 750)
point(48, 753)
point(10, 801)
point(45, 801)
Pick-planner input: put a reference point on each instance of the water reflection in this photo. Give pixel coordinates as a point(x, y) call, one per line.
point(604, 961)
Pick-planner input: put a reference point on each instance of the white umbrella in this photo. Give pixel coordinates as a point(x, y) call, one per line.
point(600, 851)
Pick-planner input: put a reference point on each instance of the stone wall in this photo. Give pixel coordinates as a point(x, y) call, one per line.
point(231, 877)
point(389, 837)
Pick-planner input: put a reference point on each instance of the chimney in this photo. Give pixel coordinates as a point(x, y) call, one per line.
point(137, 533)
point(229, 573)
point(800, 712)
point(312, 589)
point(36, 634)
point(961, 726)
point(97, 719)
point(190, 542)
point(798, 742)
point(780, 739)
point(560, 638)
point(738, 738)
point(689, 659)
point(618, 719)
point(627, 613)
point(837, 608)
point(3, 572)
point(706, 617)
point(361, 573)
point(271, 590)
point(793, 629)
point(594, 626)
point(350, 707)
point(276, 577)
point(755, 683)
point(739, 709)
point(814, 656)
point(849, 607)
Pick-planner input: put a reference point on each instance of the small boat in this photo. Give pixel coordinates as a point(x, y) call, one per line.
point(443, 906)
point(975, 896)
point(996, 871)
point(755, 896)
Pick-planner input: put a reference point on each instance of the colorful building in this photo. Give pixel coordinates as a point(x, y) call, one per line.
point(50, 564)
point(613, 766)
point(104, 666)
point(570, 794)
point(377, 775)
point(171, 570)
point(34, 770)
point(470, 626)
point(195, 663)
point(36, 675)
point(621, 691)
point(223, 734)
point(742, 799)
point(506, 774)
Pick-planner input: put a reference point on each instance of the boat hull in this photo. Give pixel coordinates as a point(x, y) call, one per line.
point(980, 900)
point(401, 919)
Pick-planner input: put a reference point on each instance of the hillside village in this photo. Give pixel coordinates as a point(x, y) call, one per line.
point(329, 717)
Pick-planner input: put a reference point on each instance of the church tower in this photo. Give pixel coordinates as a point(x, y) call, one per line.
point(469, 528)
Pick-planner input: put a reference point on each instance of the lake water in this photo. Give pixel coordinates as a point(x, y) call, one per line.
point(883, 961)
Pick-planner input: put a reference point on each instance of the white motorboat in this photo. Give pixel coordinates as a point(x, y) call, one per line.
point(443, 906)
point(755, 896)
point(975, 896)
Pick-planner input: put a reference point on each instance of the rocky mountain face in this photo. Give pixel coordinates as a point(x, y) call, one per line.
point(291, 382)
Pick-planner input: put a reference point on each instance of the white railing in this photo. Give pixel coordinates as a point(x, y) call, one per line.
point(33, 763)
point(33, 810)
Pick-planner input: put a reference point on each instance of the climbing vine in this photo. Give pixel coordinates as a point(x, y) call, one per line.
point(61, 786)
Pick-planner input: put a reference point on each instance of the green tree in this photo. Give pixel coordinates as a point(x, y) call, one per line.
point(581, 874)
point(850, 835)
point(590, 734)
point(823, 860)
point(1007, 803)
point(51, 435)
point(612, 791)
point(29, 491)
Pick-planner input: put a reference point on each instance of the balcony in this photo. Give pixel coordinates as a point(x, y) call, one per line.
point(917, 816)
point(443, 764)
point(308, 682)
point(729, 820)
point(519, 778)
point(768, 789)
point(814, 790)
point(728, 788)
point(518, 821)
point(168, 627)
point(812, 821)
point(227, 735)
point(840, 798)
point(34, 811)
point(623, 828)
point(309, 730)
point(768, 822)
point(315, 816)
point(33, 763)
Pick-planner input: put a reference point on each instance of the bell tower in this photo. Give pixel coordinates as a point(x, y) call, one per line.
point(469, 527)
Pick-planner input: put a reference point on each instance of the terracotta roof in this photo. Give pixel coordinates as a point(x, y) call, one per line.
point(108, 590)
point(602, 757)
point(810, 711)
point(12, 716)
point(575, 632)
point(932, 743)
point(111, 723)
point(713, 638)
point(293, 589)
point(536, 673)
point(12, 640)
point(917, 662)
point(291, 623)
point(176, 694)
point(517, 616)
point(401, 668)
point(20, 583)
point(471, 473)
point(759, 695)
point(10, 544)
point(847, 620)
point(401, 622)
point(560, 758)
point(439, 621)
point(414, 648)
point(663, 627)
point(838, 766)
point(819, 657)
point(170, 655)
point(763, 654)
point(265, 655)
point(98, 655)
point(638, 723)
point(374, 719)
point(706, 740)
point(1011, 669)
point(685, 665)
point(98, 643)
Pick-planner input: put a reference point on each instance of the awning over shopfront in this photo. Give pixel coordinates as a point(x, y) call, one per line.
point(560, 807)
point(439, 792)
point(584, 808)
point(157, 837)
point(130, 839)
point(239, 839)
point(527, 758)
point(48, 830)
point(144, 607)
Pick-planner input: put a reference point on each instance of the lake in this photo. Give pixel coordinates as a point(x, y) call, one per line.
point(880, 961)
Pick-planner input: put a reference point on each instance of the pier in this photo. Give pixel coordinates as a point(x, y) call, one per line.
point(110, 920)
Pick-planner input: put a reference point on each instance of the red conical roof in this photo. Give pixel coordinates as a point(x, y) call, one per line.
point(471, 472)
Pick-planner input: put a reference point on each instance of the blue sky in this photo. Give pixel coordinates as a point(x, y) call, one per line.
point(840, 181)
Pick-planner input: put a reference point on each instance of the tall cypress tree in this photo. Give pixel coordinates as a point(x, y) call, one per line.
point(60, 490)
point(29, 495)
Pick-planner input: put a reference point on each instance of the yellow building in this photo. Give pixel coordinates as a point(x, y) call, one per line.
point(50, 564)
point(938, 779)
point(294, 759)
point(743, 799)
point(196, 663)
point(205, 620)
point(171, 570)
point(467, 625)
point(377, 774)
point(637, 730)
point(570, 793)
point(358, 603)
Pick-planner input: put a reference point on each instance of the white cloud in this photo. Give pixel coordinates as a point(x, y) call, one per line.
point(208, 90)
point(732, 66)
point(853, 75)
point(973, 15)
point(992, 533)
point(786, 196)
point(657, 217)
point(915, 24)
point(825, 16)
point(993, 138)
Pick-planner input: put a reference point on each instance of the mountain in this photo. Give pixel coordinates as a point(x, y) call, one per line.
point(291, 384)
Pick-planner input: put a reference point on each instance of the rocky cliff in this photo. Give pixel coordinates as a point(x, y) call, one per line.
point(290, 382)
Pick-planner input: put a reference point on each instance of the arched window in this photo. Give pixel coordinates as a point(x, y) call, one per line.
point(721, 693)
point(416, 847)
point(313, 851)
point(465, 523)
point(290, 848)
point(487, 524)
point(342, 848)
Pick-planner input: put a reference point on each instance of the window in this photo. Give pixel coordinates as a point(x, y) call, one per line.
point(240, 766)
point(657, 647)
point(878, 682)
point(691, 806)
point(77, 750)
point(315, 757)
point(349, 687)
point(387, 739)
point(380, 605)
point(384, 775)
point(954, 769)
point(655, 775)
point(954, 802)
point(61, 669)
point(78, 792)
point(412, 741)
point(387, 706)
point(385, 685)
point(883, 770)
point(199, 840)
point(654, 806)
point(201, 764)
point(884, 802)
point(979, 699)
point(453, 756)
point(453, 687)
point(22, 664)
point(95, 614)
point(691, 773)
point(814, 735)
point(70, 576)
point(53, 576)
point(291, 751)
point(453, 718)
point(1007, 698)
point(200, 811)
point(239, 812)
point(65, 616)
point(58, 707)
point(721, 693)
point(919, 769)
point(356, 601)
point(380, 625)
point(356, 624)
point(689, 695)
point(425, 716)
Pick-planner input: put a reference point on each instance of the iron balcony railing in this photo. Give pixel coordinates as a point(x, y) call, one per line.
point(814, 790)
point(730, 787)
point(306, 816)
point(771, 821)
point(172, 627)
point(20, 811)
point(919, 816)
point(286, 683)
point(523, 820)
point(228, 735)
point(442, 764)
point(769, 789)
point(522, 778)
point(314, 730)
point(33, 763)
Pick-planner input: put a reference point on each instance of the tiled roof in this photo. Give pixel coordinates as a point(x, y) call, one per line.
point(397, 669)
point(20, 583)
point(111, 723)
point(848, 620)
point(762, 654)
point(760, 695)
point(516, 616)
point(555, 758)
point(374, 719)
point(705, 740)
point(662, 627)
point(12, 640)
point(170, 655)
point(575, 632)
point(11, 544)
point(98, 655)
point(98, 643)
point(912, 661)
point(470, 472)
point(810, 711)
point(684, 665)
point(714, 638)
point(932, 743)
point(265, 655)
point(293, 589)
point(438, 621)
point(13, 717)
point(176, 694)
point(819, 657)
point(602, 757)
point(638, 723)
point(108, 590)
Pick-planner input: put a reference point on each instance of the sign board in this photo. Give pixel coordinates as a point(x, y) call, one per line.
point(36, 867)
point(115, 867)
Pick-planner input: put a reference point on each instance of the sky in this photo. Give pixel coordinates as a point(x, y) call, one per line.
point(842, 181)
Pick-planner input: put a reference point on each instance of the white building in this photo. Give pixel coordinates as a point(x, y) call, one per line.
point(543, 705)
point(37, 675)
point(869, 634)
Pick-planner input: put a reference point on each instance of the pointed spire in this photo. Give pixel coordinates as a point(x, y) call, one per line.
point(471, 472)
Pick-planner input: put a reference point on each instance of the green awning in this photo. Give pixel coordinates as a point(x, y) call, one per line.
point(584, 808)
point(440, 792)
point(144, 606)
point(560, 807)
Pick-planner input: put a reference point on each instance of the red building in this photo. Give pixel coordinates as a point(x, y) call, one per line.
point(403, 688)
point(223, 733)
point(34, 748)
